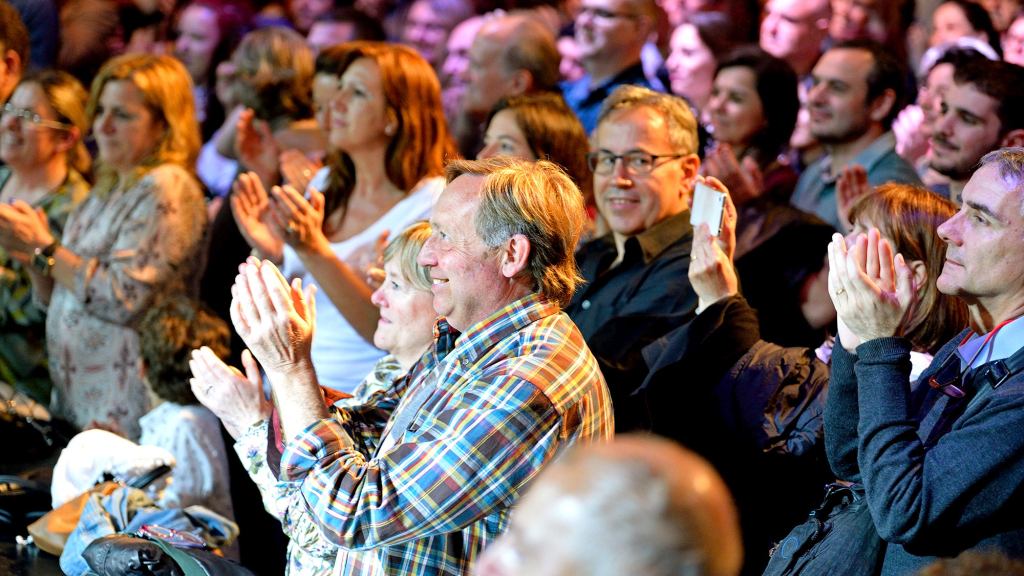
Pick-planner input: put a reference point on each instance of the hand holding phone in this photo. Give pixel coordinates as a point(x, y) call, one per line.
point(708, 208)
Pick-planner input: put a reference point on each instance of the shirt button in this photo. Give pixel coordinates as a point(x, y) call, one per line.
point(585, 304)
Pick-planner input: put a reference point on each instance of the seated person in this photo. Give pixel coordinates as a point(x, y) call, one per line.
point(407, 486)
point(644, 163)
point(941, 464)
point(635, 505)
point(177, 425)
point(404, 330)
point(759, 419)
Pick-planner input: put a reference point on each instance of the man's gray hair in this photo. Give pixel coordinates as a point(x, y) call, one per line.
point(539, 201)
point(682, 126)
point(1010, 164)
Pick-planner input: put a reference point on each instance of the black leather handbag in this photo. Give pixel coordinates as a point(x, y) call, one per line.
point(129, 555)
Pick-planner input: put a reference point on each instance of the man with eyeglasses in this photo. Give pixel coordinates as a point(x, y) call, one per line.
point(645, 167)
point(610, 34)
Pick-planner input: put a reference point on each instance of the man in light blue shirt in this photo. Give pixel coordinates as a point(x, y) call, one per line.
point(858, 88)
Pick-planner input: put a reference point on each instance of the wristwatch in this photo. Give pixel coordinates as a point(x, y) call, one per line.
point(42, 258)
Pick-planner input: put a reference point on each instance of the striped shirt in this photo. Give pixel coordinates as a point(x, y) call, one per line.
point(509, 394)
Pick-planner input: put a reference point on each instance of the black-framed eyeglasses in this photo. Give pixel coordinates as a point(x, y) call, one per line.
point(637, 162)
point(31, 117)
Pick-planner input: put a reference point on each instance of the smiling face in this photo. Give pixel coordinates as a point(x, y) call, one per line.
point(28, 146)
point(406, 323)
point(468, 283)
point(691, 65)
point(735, 107)
point(358, 115)
point(985, 246)
point(505, 138)
point(427, 32)
point(837, 102)
point(632, 202)
point(126, 130)
point(198, 37)
point(967, 127)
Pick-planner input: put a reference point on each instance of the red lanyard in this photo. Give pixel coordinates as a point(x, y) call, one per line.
point(988, 337)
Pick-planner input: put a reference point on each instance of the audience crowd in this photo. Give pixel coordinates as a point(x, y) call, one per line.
point(522, 288)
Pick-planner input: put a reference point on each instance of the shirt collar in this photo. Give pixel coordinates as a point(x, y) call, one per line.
point(867, 157)
point(657, 238)
point(629, 75)
point(1003, 345)
point(477, 339)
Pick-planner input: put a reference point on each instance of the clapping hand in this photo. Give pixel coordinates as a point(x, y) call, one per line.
point(255, 146)
point(250, 207)
point(851, 185)
point(297, 169)
point(302, 219)
point(23, 229)
point(276, 320)
point(711, 271)
point(873, 291)
point(235, 398)
point(743, 178)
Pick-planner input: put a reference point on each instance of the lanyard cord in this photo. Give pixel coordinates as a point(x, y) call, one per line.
point(984, 343)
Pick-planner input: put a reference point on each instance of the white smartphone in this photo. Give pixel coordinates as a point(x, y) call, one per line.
point(708, 208)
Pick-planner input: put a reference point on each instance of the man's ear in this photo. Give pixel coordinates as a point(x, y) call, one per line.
point(1013, 138)
point(521, 82)
point(515, 256)
point(882, 105)
point(691, 166)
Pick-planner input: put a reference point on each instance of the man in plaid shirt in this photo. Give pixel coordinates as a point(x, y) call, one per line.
point(508, 384)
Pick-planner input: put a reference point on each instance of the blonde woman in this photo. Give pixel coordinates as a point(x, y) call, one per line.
point(135, 237)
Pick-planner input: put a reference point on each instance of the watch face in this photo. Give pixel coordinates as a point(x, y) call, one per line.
point(43, 263)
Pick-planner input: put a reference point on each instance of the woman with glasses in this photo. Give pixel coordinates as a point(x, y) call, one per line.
point(45, 167)
point(135, 238)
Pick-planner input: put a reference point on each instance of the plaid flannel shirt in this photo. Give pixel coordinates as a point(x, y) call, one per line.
point(512, 391)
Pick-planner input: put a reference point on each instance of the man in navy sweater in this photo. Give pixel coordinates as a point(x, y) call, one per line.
point(941, 460)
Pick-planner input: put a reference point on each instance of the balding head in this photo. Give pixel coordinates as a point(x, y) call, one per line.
point(637, 505)
point(510, 56)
